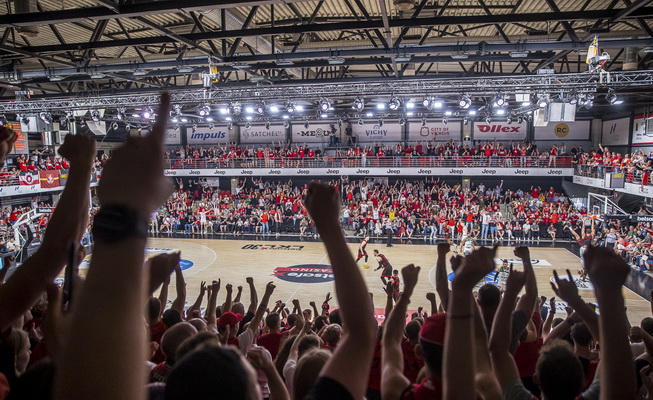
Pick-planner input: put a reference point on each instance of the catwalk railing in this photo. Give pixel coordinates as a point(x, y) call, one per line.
point(371, 162)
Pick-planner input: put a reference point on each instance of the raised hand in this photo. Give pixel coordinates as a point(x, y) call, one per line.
point(143, 188)
point(7, 139)
point(161, 266)
point(203, 287)
point(328, 297)
point(269, 288)
point(430, 296)
point(323, 203)
point(410, 273)
point(249, 280)
point(607, 270)
point(215, 286)
point(257, 358)
point(566, 289)
point(552, 305)
point(456, 262)
point(523, 252)
point(312, 304)
point(79, 149)
point(443, 249)
point(516, 281)
point(475, 266)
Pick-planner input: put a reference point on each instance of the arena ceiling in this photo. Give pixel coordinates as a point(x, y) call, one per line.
point(94, 47)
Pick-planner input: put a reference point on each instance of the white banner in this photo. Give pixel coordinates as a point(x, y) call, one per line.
point(375, 132)
point(616, 132)
point(500, 130)
point(434, 130)
point(579, 130)
point(365, 171)
point(315, 133)
point(639, 130)
point(261, 134)
point(204, 135)
point(173, 137)
point(583, 180)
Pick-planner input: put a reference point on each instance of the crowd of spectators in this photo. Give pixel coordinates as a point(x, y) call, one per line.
point(491, 345)
point(636, 167)
point(422, 153)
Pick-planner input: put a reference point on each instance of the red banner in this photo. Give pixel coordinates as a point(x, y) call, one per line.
point(29, 178)
point(49, 179)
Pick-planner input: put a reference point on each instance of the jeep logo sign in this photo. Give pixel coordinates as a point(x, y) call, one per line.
point(500, 130)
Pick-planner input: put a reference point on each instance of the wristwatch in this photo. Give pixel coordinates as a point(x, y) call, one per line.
point(115, 222)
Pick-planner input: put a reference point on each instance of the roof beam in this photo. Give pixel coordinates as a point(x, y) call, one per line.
point(631, 9)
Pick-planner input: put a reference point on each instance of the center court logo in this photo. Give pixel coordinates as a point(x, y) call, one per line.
point(305, 273)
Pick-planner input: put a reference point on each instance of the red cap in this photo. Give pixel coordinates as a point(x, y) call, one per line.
point(230, 319)
point(434, 328)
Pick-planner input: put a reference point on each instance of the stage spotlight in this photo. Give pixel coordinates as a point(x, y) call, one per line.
point(204, 110)
point(445, 121)
point(95, 115)
point(147, 113)
point(267, 125)
point(488, 120)
point(230, 126)
point(236, 108)
point(286, 124)
point(114, 126)
point(465, 121)
point(464, 102)
point(248, 125)
point(325, 104)
point(402, 122)
point(394, 103)
point(427, 102)
point(360, 122)
point(260, 108)
point(500, 100)
point(423, 121)
point(176, 128)
point(359, 104)
point(45, 117)
point(380, 122)
point(306, 125)
point(211, 126)
point(509, 120)
point(290, 107)
point(611, 97)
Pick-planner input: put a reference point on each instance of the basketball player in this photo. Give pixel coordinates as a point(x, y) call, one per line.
point(385, 264)
point(502, 275)
point(396, 283)
point(467, 245)
point(584, 240)
point(362, 252)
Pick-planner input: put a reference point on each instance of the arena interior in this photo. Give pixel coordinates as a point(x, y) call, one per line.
point(345, 199)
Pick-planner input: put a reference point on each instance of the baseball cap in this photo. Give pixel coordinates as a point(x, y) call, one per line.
point(229, 318)
point(434, 328)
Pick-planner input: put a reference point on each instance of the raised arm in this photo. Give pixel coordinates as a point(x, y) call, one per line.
point(350, 364)
point(180, 286)
point(393, 381)
point(198, 302)
point(239, 293)
point(228, 302)
point(503, 363)
point(567, 290)
point(430, 296)
point(90, 368)
point(459, 369)
point(260, 311)
point(608, 273)
point(253, 296)
point(441, 282)
point(211, 315)
point(526, 303)
point(65, 229)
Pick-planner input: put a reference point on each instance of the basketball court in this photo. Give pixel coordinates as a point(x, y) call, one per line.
point(301, 269)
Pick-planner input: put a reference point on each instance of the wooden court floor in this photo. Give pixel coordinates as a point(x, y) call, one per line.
point(234, 260)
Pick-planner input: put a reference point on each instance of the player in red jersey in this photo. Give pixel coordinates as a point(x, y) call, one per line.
point(385, 264)
point(362, 252)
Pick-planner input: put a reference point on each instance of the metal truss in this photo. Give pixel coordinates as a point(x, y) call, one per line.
point(478, 86)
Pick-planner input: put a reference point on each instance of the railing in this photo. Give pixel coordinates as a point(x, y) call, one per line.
point(9, 182)
point(350, 162)
point(630, 176)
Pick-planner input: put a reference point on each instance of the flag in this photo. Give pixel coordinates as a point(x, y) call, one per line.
point(63, 177)
point(29, 178)
point(593, 50)
point(49, 179)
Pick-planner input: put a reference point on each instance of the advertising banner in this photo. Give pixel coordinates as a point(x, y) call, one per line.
point(579, 130)
point(206, 136)
point(261, 135)
point(371, 132)
point(639, 130)
point(315, 133)
point(172, 138)
point(500, 130)
point(373, 171)
point(616, 132)
point(434, 130)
